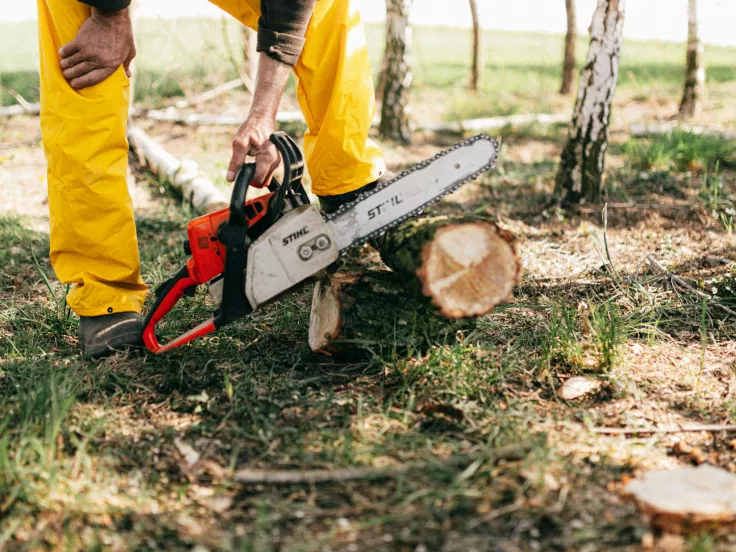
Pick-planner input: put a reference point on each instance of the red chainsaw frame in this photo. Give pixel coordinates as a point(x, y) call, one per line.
point(218, 244)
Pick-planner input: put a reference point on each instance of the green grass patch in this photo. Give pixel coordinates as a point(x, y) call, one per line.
point(678, 150)
point(187, 56)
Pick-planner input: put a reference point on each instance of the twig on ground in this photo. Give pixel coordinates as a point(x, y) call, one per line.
point(293, 477)
point(654, 263)
point(27, 107)
point(676, 429)
point(209, 94)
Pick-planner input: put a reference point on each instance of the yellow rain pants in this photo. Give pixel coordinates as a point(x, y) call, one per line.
point(335, 93)
point(93, 240)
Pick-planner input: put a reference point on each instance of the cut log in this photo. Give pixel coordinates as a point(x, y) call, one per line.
point(355, 312)
point(182, 175)
point(465, 267)
point(443, 268)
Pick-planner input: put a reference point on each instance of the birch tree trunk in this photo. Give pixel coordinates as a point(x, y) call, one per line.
point(568, 66)
point(692, 98)
point(580, 176)
point(250, 54)
point(476, 71)
point(394, 115)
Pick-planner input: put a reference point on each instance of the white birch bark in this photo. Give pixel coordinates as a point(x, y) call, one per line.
point(182, 175)
point(580, 176)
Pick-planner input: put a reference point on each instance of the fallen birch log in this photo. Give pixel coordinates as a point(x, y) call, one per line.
point(491, 123)
point(183, 175)
point(15, 110)
point(666, 128)
point(210, 94)
point(286, 117)
point(171, 115)
point(443, 268)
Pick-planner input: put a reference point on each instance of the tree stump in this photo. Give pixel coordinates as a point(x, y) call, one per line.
point(445, 272)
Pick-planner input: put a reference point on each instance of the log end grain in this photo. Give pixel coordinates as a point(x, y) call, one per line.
point(468, 269)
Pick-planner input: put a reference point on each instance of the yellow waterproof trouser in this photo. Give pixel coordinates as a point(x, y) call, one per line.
point(93, 239)
point(335, 93)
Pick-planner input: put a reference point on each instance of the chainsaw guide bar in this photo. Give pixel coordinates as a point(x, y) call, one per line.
point(373, 213)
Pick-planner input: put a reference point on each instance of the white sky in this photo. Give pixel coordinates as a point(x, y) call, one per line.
point(645, 19)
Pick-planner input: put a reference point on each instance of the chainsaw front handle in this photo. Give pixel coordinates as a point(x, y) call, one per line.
point(169, 295)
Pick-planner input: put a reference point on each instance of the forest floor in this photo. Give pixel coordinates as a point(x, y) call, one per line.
point(139, 452)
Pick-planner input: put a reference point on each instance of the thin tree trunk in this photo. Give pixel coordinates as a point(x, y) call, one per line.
point(476, 71)
point(384, 64)
point(250, 54)
point(580, 176)
point(394, 115)
point(132, 9)
point(692, 97)
point(568, 66)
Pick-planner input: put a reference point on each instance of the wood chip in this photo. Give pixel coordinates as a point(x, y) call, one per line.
point(686, 499)
point(576, 387)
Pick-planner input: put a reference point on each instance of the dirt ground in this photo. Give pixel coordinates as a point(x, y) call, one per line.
point(674, 368)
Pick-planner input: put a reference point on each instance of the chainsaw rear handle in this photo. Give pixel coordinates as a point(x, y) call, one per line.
point(240, 190)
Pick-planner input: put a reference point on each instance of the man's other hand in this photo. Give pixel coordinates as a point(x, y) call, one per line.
point(104, 43)
point(254, 138)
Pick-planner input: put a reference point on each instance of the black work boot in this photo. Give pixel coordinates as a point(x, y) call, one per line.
point(103, 335)
point(331, 204)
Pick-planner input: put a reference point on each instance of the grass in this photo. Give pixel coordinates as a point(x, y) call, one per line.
point(188, 56)
point(679, 151)
point(95, 454)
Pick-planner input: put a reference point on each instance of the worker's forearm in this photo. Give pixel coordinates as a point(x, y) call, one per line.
point(270, 85)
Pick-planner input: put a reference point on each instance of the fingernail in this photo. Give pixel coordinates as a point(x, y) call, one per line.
point(230, 175)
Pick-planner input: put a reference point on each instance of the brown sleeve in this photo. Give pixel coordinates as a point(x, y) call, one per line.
point(282, 27)
point(107, 5)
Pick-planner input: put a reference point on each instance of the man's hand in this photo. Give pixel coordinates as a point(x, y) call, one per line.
point(254, 136)
point(104, 43)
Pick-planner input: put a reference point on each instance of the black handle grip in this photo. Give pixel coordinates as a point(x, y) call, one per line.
point(237, 202)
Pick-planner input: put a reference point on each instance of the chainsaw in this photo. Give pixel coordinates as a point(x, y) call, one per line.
point(255, 251)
